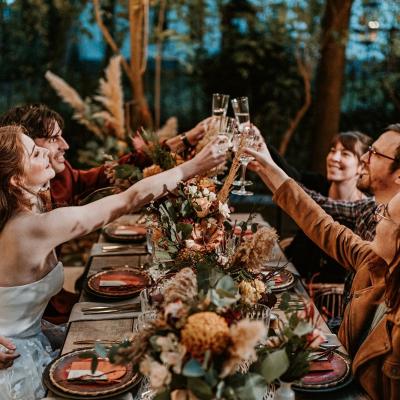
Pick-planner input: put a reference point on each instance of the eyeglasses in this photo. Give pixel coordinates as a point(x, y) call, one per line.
point(382, 212)
point(371, 151)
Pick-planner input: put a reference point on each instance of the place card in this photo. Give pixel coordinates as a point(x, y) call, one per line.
point(112, 283)
point(82, 370)
point(320, 366)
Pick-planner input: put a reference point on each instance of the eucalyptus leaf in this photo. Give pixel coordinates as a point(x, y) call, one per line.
point(250, 386)
point(100, 350)
point(200, 388)
point(227, 284)
point(185, 229)
point(193, 369)
point(303, 328)
point(274, 365)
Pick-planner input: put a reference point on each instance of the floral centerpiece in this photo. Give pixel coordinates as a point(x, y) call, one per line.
point(191, 227)
point(194, 349)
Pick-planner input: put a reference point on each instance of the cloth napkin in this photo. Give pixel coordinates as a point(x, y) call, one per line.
point(77, 314)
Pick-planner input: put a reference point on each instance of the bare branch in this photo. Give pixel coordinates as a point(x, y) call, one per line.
point(305, 72)
point(109, 39)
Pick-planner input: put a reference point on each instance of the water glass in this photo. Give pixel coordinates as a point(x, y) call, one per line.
point(259, 312)
point(220, 104)
point(145, 318)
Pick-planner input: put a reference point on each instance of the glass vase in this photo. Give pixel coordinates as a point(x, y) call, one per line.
point(285, 391)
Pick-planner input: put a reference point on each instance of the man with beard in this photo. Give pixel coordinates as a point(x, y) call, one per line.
point(380, 176)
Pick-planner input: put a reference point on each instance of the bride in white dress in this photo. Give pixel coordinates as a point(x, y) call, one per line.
point(29, 271)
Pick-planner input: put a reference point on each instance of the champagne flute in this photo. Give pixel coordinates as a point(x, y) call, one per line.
point(241, 109)
point(249, 141)
point(220, 104)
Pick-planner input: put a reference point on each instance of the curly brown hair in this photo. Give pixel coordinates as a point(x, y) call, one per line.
point(12, 153)
point(37, 119)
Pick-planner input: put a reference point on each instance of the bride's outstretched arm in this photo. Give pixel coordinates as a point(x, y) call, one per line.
point(55, 227)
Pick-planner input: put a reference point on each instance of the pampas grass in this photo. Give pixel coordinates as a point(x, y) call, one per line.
point(112, 98)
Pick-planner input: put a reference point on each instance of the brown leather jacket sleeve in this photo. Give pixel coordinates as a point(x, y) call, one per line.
point(336, 240)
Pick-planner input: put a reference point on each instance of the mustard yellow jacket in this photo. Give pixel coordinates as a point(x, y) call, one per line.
point(375, 354)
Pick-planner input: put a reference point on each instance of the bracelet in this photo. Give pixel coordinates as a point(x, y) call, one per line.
point(185, 141)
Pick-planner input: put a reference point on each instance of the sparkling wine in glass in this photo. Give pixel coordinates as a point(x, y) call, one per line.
point(220, 104)
point(240, 107)
point(249, 141)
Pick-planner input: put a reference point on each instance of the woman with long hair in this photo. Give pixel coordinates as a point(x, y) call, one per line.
point(29, 270)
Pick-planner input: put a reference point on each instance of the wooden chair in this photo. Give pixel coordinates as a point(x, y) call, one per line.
point(328, 297)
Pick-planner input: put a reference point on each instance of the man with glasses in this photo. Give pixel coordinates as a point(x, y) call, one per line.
point(380, 176)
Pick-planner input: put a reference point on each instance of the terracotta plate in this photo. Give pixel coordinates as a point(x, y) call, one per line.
point(282, 281)
point(115, 379)
point(134, 233)
point(118, 283)
point(324, 377)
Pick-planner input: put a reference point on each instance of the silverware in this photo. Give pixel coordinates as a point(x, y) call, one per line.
point(131, 307)
point(118, 247)
point(94, 341)
point(323, 354)
point(111, 311)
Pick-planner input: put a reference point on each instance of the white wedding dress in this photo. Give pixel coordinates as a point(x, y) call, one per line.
point(21, 310)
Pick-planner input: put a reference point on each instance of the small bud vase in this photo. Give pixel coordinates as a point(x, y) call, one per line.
point(285, 391)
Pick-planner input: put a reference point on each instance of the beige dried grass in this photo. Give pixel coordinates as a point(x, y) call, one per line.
point(112, 98)
point(70, 96)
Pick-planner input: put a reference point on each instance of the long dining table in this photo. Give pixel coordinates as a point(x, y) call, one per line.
point(113, 327)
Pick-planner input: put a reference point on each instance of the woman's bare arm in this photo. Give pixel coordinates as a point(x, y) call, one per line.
point(45, 231)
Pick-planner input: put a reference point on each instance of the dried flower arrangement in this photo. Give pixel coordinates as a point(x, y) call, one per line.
point(194, 349)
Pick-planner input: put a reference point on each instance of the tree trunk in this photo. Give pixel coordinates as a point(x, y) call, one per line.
point(329, 79)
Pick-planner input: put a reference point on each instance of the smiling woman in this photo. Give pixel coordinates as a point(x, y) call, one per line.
point(29, 271)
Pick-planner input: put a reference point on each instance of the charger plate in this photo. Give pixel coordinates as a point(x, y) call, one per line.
point(135, 279)
point(126, 233)
point(327, 381)
point(282, 281)
point(56, 373)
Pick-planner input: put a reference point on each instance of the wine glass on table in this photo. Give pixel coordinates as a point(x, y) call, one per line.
point(240, 107)
point(249, 138)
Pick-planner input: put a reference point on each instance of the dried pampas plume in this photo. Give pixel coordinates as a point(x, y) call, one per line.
point(224, 192)
point(66, 92)
point(183, 287)
point(254, 253)
point(70, 96)
point(169, 129)
point(112, 98)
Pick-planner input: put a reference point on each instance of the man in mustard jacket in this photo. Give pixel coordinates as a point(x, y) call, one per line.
point(371, 325)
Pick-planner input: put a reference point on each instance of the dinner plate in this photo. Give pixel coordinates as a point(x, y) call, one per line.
point(118, 283)
point(327, 380)
point(119, 379)
point(126, 233)
point(283, 280)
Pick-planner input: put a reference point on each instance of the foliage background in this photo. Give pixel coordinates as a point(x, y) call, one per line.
point(241, 47)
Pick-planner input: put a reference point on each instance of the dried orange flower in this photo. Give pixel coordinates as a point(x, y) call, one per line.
point(205, 331)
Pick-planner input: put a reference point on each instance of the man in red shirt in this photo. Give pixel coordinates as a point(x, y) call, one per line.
point(45, 126)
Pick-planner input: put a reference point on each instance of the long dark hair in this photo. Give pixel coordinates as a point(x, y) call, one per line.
point(12, 153)
point(392, 278)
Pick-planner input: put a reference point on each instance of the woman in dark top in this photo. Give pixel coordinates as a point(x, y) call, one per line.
point(343, 167)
